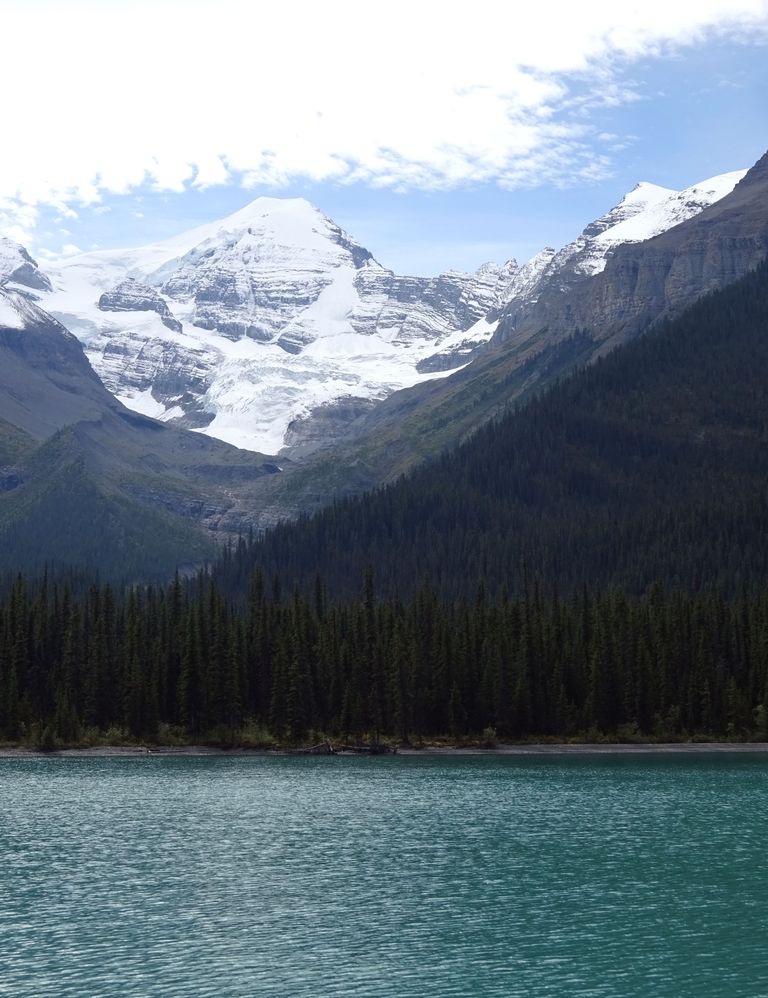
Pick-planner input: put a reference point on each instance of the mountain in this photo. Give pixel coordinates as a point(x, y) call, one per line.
point(649, 465)
point(273, 329)
point(249, 327)
point(86, 481)
point(662, 272)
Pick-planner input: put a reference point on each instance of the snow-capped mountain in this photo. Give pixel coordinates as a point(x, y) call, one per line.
point(646, 211)
point(244, 327)
point(273, 327)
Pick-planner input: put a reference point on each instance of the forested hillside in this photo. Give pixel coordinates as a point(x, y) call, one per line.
point(649, 466)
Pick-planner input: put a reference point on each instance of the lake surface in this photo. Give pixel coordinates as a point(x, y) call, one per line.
point(509, 876)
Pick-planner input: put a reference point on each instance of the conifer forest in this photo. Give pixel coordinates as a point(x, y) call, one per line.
point(186, 663)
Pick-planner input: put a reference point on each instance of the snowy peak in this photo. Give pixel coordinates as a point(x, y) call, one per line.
point(645, 211)
point(660, 214)
point(260, 269)
point(18, 267)
point(291, 221)
point(289, 229)
point(270, 232)
point(641, 198)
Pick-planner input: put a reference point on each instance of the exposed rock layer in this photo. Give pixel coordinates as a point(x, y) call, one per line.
point(133, 296)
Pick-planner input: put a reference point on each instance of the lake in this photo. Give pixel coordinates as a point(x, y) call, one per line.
point(403, 876)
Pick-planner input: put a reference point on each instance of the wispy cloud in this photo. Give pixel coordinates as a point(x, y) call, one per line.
point(424, 95)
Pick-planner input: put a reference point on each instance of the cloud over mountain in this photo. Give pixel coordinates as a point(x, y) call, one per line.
point(428, 96)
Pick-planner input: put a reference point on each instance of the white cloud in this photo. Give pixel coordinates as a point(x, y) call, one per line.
point(17, 220)
point(179, 93)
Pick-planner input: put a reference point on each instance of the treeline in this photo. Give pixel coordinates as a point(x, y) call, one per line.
point(185, 662)
point(648, 466)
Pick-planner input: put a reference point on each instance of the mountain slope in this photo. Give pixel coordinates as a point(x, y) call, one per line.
point(45, 381)
point(649, 465)
point(85, 481)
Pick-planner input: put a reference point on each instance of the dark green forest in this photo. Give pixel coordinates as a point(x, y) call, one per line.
point(649, 466)
point(185, 663)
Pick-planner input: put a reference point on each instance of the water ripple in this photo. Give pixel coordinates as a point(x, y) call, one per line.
point(489, 876)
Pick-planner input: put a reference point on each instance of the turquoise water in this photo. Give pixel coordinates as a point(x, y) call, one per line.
point(509, 876)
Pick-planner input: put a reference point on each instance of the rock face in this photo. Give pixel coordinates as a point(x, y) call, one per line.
point(547, 282)
point(133, 296)
point(326, 422)
point(18, 268)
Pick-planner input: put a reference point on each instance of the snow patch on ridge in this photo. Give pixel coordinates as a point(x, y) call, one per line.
point(10, 317)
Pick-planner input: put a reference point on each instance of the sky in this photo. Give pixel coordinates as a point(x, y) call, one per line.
point(440, 135)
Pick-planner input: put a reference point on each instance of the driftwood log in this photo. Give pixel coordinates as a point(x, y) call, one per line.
point(376, 749)
point(322, 748)
point(326, 748)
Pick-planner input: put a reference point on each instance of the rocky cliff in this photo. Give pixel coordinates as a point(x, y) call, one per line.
point(640, 282)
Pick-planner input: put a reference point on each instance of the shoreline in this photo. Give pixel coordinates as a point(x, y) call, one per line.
point(430, 751)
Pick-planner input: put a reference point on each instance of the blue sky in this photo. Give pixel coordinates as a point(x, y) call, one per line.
point(444, 148)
